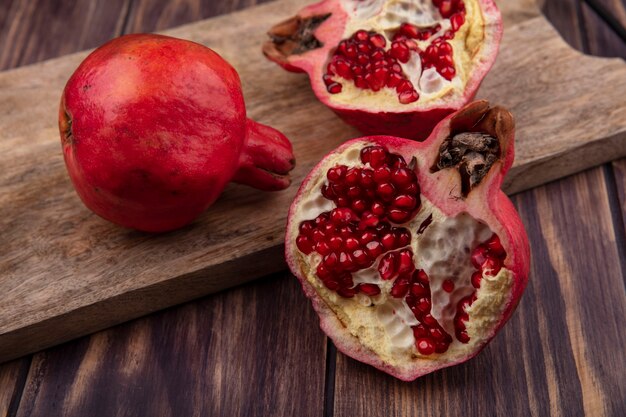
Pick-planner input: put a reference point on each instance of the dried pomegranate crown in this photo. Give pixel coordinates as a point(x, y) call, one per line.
point(391, 66)
point(412, 255)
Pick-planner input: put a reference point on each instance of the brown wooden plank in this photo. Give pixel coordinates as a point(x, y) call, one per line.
point(252, 351)
point(12, 377)
point(619, 171)
point(610, 9)
point(563, 15)
point(601, 39)
point(561, 352)
point(71, 273)
point(151, 16)
point(34, 30)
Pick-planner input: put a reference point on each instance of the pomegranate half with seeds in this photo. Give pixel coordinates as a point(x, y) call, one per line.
point(412, 255)
point(393, 67)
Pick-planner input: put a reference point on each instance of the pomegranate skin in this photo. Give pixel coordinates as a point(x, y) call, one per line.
point(154, 127)
point(486, 202)
point(415, 121)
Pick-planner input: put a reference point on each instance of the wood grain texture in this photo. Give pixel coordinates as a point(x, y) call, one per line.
point(253, 351)
point(601, 39)
point(12, 377)
point(615, 9)
point(71, 273)
point(564, 16)
point(44, 29)
point(557, 356)
point(152, 16)
point(619, 171)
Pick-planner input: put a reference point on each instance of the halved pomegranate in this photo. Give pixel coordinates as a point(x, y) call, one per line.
point(393, 67)
point(412, 255)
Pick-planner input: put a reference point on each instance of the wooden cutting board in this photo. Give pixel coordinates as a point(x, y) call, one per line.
point(64, 272)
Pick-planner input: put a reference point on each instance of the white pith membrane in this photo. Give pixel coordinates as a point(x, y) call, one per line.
point(385, 17)
point(383, 323)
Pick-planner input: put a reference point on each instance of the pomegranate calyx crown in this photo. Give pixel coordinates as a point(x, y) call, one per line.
point(293, 36)
point(479, 137)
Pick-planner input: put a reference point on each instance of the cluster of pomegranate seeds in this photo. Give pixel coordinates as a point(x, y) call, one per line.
point(363, 59)
point(430, 337)
point(353, 235)
point(345, 247)
point(386, 190)
point(487, 258)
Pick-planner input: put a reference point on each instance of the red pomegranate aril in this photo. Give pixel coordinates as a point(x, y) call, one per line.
point(345, 261)
point(306, 227)
point(317, 236)
point(477, 276)
point(407, 97)
point(369, 289)
point(448, 285)
point(403, 239)
point(420, 276)
point(385, 191)
point(374, 249)
point(462, 336)
point(425, 346)
point(457, 20)
point(378, 40)
point(419, 290)
point(423, 305)
point(304, 244)
point(360, 82)
point(330, 261)
point(346, 292)
point(400, 51)
point(382, 174)
point(366, 237)
point(363, 48)
point(409, 30)
point(447, 73)
point(361, 258)
point(352, 243)
point(494, 246)
point(405, 262)
point(445, 8)
point(398, 216)
point(437, 334)
point(394, 79)
point(378, 209)
point(376, 156)
point(388, 241)
point(335, 242)
point(368, 220)
point(444, 49)
point(404, 85)
point(405, 202)
point(491, 266)
point(322, 248)
point(400, 288)
point(420, 331)
point(361, 35)
point(388, 266)
point(479, 256)
point(334, 88)
point(429, 320)
point(441, 347)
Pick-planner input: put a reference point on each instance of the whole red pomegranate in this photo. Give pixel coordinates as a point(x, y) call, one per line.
point(411, 254)
point(154, 127)
point(391, 67)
